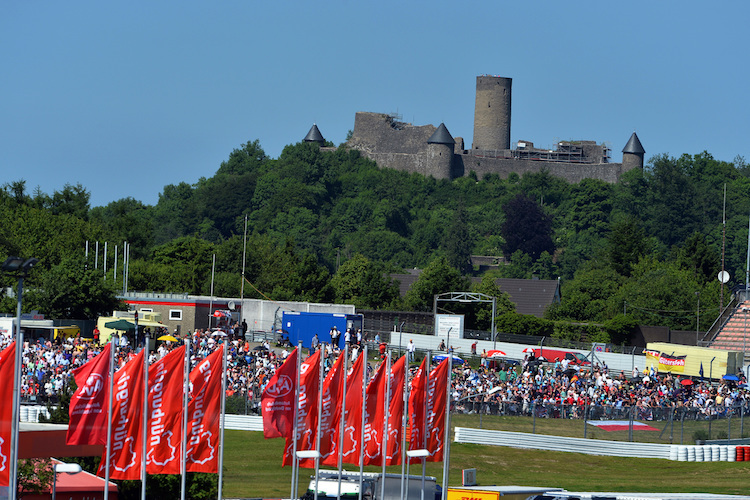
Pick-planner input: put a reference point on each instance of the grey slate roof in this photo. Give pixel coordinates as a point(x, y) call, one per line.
point(314, 135)
point(634, 146)
point(530, 296)
point(441, 136)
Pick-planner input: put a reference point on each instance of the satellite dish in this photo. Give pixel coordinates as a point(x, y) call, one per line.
point(231, 305)
point(723, 277)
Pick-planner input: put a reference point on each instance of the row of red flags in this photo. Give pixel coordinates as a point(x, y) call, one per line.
point(166, 385)
point(426, 411)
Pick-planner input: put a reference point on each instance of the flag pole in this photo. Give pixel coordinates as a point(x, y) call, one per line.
point(428, 366)
point(111, 383)
point(185, 398)
point(294, 436)
point(404, 419)
point(320, 415)
point(384, 440)
point(446, 441)
point(362, 421)
point(144, 431)
point(223, 408)
point(342, 419)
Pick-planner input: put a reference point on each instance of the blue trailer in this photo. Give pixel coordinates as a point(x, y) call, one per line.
point(302, 326)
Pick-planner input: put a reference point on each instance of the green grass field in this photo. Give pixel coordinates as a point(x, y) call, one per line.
point(253, 465)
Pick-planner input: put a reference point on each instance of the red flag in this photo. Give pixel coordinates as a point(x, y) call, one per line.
point(375, 416)
point(436, 400)
point(127, 410)
point(164, 433)
point(417, 409)
point(7, 375)
point(307, 409)
point(89, 403)
point(204, 414)
point(353, 413)
point(396, 412)
point(277, 401)
point(333, 394)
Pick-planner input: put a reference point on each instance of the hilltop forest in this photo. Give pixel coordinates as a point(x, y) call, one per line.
point(330, 226)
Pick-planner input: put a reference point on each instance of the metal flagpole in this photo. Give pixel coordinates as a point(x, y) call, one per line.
point(223, 408)
point(127, 269)
point(342, 419)
point(104, 260)
point(211, 301)
point(294, 436)
point(384, 440)
point(362, 422)
point(426, 418)
point(185, 417)
point(320, 415)
point(446, 440)
point(404, 420)
point(107, 450)
point(144, 431)
point(244, 250)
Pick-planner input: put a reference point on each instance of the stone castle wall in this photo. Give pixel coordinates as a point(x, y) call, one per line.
point(402, 146)
point(571, 172)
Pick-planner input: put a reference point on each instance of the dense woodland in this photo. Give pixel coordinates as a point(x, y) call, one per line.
point(330, 226)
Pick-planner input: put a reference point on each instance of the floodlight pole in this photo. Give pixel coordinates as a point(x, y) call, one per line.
point(62, 467)
point(21, 267)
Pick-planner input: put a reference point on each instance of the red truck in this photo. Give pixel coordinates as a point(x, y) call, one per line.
point(553, 355)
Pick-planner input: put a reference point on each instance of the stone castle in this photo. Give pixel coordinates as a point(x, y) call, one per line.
point(432, 151)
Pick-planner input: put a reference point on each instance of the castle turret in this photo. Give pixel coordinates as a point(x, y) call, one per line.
point(440, 153)
point(314, 135)
point(492, 113)
point(632, 154)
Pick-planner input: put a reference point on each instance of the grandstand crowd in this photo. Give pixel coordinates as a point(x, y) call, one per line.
point(558, 390)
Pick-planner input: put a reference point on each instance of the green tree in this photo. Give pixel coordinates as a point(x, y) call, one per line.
point(658, 293)
point(249, 158)
point(438, 277)
point(586, 296)
point(696, 255)
point(626, 245)
point(34, 476)
point(73, 289)
point(72, 200)
point(362, 283)
point(483, 312)
point(458, 242)
point(526, 228)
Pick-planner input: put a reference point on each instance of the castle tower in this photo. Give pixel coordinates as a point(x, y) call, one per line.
point(632, 154)
point(314, 135)
point(492, 113)
point(440, 153)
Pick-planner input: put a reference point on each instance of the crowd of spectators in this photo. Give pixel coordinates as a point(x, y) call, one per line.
point(562, 390)
point(554, 390)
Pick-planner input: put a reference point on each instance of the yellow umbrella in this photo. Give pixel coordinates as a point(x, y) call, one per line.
point(168, 338)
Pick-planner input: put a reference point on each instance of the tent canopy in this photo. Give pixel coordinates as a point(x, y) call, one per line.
point(126, 324)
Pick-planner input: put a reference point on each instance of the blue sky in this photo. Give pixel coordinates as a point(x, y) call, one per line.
point(127, 97)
